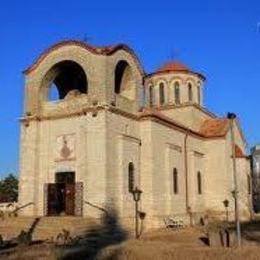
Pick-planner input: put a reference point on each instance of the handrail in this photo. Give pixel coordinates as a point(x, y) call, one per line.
point(95, 206)
point(21, 207)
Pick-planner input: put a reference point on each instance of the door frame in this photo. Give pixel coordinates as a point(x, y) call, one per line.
point(68, 179)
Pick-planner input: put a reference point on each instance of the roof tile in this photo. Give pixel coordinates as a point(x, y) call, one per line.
point(214, 127)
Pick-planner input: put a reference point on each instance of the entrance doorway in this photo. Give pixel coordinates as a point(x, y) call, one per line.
point(61, 195)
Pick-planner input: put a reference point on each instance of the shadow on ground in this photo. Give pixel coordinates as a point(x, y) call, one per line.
point(251, 231)
point(90, 245)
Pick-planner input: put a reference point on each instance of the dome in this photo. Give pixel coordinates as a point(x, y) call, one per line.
point(174, 66)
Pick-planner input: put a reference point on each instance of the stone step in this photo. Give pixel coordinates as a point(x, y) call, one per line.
point(11, 227)
point(15, 221)
point(50, 227)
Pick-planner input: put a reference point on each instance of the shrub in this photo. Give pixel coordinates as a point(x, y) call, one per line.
point(24, 238)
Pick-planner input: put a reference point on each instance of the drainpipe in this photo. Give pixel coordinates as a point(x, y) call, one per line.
point(188, 208)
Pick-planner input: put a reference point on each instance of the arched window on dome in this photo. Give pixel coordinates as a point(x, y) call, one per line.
point(131, 177)
point(199, 182)
point(177, 93)
point(190, 94)
point(161, 94)
point(175, 181)
point(198, 93)
point(151, 95)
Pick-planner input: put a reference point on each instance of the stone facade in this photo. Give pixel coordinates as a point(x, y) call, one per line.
point(97, 131)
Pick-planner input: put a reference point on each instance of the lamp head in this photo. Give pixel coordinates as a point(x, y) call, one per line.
point(231, 115)
point(136, 194)
point(226, 203)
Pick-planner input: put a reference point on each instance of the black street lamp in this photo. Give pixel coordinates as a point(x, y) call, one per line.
point(136, 196)
point(226, 204)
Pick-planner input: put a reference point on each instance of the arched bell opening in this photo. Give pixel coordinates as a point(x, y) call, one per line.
point(64, 79)
point(124, 80)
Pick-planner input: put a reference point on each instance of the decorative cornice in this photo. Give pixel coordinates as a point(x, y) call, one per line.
point(83, 111)
point(186, 104)
point(151, 115)
point(157, 73)
point(162, 119)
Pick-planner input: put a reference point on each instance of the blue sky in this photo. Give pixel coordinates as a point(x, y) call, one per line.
point(219, 39)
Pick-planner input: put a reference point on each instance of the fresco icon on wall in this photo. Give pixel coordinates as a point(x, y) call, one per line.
point(65, 147)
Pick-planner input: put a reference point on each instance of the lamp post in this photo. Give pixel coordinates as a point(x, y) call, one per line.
point(136, 196)
point(226, 204)
point(232, 117)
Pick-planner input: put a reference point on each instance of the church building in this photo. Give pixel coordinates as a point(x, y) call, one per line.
point(113, 128)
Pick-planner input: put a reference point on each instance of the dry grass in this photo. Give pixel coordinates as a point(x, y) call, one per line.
point(183, 244)
point(41, 251)
point(161, 251)
point(160, 244)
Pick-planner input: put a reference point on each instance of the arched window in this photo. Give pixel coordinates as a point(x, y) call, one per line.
point(175, 181)
point(151, 95)
point(199, 183)
point(161, 94)
point(198, 92)
point(177, 93)
point(119, 73)
point(66, 78)
point(131, 177)
point(190, 92)
point(124, 80)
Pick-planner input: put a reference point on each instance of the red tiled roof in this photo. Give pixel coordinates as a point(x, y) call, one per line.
point(210, 128)
point(174, 66)
point(149, 112)
point(214, 127)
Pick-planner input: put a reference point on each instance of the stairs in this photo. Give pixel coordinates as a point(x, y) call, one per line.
point(49, 227)
point(45, 228)
point(12, 227)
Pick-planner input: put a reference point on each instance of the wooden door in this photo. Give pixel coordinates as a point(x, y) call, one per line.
point(52, 199)
point(70, 199)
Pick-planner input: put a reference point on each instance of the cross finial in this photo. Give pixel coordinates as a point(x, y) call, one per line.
point(86, 38)
point(175, 53)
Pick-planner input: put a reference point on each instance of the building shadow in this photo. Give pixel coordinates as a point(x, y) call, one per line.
point(89, 246)
point(251, 231)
